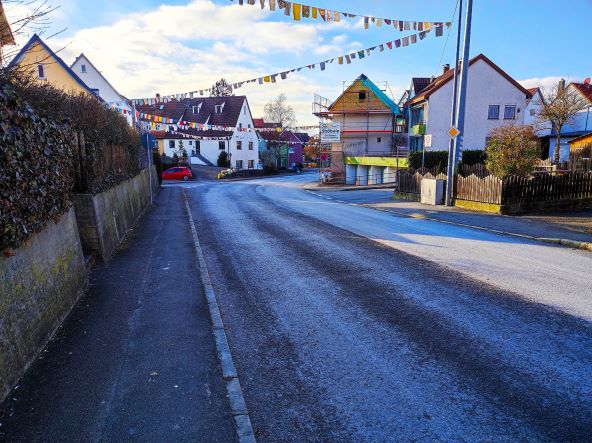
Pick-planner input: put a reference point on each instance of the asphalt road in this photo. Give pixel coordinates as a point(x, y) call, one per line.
point(345, 324)
point(350, 324)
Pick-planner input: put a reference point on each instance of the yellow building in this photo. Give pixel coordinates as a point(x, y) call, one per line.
point(583, 141)
point(44, 65)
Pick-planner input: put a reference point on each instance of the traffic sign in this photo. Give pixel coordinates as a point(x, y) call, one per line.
point(427, 140)
point(453, 132)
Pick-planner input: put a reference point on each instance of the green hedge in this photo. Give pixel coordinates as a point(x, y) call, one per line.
point(433, 159)
point(36, 177)
point(473, 157)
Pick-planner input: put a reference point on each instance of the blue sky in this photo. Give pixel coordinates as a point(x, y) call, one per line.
point(149, 46)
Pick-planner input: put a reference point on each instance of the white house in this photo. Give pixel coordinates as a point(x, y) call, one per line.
point(493, 99)
point(580, 125)
point(96, 81)
point(211, 124)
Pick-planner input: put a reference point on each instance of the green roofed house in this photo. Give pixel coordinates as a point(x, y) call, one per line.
point(371, 142)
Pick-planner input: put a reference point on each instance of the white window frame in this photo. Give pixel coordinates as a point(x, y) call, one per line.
point(498, 111)
point(515, 110)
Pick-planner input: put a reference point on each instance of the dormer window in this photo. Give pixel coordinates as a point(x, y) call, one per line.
point(219, 108)
point(82, 68)
point(41, 72)
point(197, 108)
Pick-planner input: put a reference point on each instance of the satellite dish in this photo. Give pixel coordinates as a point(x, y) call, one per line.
point(587, 81)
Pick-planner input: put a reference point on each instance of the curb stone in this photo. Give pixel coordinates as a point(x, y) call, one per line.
point(234, 393)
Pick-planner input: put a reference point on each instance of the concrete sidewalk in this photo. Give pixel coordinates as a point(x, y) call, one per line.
point(573, 228)
point(136, 359)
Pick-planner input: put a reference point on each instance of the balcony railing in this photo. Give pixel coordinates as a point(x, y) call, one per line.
point(418, 129)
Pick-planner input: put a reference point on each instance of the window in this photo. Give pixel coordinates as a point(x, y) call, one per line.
point(190, 143)
point(532, 112)
point(362, 95)
point(171, 144)
point(251, 164)
point(250, 146)
point(493, 113)
point(221, 145)
point(41, 71)
point(239, 144)
point(378, 139)
point(82, 68)
point(239, 164)
point(240, 126)
point(510, 112)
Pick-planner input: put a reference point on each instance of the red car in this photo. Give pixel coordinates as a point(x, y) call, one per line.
point(177, 173)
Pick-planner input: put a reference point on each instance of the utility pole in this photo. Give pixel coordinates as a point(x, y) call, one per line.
point(450, 168)
point(462, 97)
point(462, 94)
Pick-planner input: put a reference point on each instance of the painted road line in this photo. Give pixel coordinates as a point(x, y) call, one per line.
point(238, 406)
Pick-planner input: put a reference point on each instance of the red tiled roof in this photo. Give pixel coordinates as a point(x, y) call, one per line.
point(449, 75)
point(585, 90)
point(183, 110)
point(532, 91)
point(420, 83)
point(260, 123)
point(162, 135)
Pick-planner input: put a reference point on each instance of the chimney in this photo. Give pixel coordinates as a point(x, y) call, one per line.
point(562, 84)
point(445, 68)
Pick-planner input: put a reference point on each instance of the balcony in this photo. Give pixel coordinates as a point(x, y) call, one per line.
point(418, 129)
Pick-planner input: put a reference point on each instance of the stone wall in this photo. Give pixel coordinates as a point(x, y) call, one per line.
point(104, 219)
point(38, 288)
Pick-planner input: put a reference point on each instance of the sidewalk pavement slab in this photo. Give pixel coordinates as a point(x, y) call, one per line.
point(575, 227)
point(136, 358)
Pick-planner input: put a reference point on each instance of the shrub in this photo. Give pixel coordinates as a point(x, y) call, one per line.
point(102, 129)
point(223, 160)
point(474, 156)
point(512, 149)
point(36, 176)
point(433, 159)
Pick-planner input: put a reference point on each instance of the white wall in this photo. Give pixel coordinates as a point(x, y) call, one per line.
point(485, 87)
point(95, 80)
point(245, 154)
point(369, 142)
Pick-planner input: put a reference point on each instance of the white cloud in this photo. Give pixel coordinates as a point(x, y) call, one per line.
point(175, 49)
point(543, 82)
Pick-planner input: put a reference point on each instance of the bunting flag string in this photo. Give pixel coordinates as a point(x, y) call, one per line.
point(299, 11)
point(272, 78)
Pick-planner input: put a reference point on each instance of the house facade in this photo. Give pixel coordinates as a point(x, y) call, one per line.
point(212, 124)
point(367, 151)
point(493, 99)
point(93, 78)
point(282, 149)
point(45, 66)
point(579, 126)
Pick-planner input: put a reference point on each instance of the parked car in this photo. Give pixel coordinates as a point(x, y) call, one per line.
point(177, 173)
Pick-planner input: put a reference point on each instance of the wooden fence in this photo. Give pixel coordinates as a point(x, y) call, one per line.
point(479, 189)
point(510, 190)
point(546, 187)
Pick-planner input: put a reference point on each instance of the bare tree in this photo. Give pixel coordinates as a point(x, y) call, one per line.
point(221, 89)
point(278, 111)
point(558, 107)
point(27, 17)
